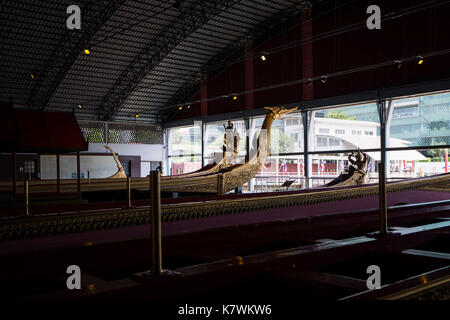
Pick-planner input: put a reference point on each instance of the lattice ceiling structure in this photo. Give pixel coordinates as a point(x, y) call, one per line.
point(144, 55)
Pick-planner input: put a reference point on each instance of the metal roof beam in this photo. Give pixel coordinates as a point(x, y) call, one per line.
point(190, 19)
point(67, 52)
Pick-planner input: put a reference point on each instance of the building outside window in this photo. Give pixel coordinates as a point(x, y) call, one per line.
point(184, 149)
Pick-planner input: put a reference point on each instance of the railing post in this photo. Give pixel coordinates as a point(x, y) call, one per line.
point(26, 197)
point(89, 177)
point(383, 203)
point(155, 192)
point(156, 270)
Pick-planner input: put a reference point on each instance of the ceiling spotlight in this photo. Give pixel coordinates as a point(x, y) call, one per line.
point(234, 97)
point(323, 79)
point(309, 82)
point(188, 106)
point(80, 106)
point(32, 76)
point(180, 108)
point(264, 55)
point(398, 63)
point(136, 115)
point(419, 59)
point(86, 51)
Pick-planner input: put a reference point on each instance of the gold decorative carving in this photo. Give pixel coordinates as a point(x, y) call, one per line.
point(120, 174)
point(44, 225)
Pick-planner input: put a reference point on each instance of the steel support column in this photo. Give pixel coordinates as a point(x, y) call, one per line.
point(247, 147)
point(307, 55)
point(106, 132)
point(385, 111)
point(249, 77)
point(14, 175)
point(58, 174)
point(306, 164)
point(155, 193)
point(166, 152)
point(203, 98)
point(202, 134)
point(78, 176)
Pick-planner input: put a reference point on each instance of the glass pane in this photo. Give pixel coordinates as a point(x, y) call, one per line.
point(282, 172)
point(286, 135)
point(416, 163)
point(345, 128)
point(421, 121)
point(214, 139)
point(279, 174)
point(185, 141)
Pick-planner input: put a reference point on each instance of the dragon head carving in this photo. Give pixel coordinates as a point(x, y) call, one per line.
point(277, 112)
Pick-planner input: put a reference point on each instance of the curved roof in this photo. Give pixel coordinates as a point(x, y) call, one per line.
point(144, 55)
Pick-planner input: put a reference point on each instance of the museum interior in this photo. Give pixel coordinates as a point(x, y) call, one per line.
point(203, 151)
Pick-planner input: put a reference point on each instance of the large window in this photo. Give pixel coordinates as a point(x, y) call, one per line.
point(422, 121)
point(286, 135)
point(185, 149)
point(214, 140)
point(416, 125)
point(345, 128)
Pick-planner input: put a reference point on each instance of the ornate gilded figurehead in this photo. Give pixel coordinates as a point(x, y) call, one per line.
point(358, 160)
point(229, 126)
point(277, 112)
point(230, 157)
point(120, 171)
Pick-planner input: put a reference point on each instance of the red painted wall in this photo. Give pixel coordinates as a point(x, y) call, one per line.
point(408, 35)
